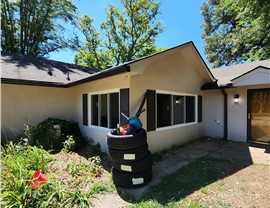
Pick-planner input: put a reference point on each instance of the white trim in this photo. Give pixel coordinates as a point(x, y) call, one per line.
point(254, 77)
point(173, 126)
point(174, 93)
point(98, 127)
point(176, 126)
point(99, 93)
point(105, 91)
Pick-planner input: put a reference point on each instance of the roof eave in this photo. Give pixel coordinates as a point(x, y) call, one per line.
point(32, 83)
point(207, 68)
point(215, 86)
point(103, 74)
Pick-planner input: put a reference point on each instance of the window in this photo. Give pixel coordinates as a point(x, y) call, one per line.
point(106, 108)
point(175, 109)
point(94, 111)
point(190, 109)
point(114, 109)
point(85, 109)
point(178, 109)
point(163, 110)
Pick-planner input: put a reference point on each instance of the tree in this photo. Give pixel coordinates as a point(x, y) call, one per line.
point(236, 31)
point(130, 34)
point(90, 53)
point(35, 27)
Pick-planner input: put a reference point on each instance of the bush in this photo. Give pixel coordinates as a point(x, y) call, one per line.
point(52, 133)
point(93, 149)
point(69, 144)
point(18, 163)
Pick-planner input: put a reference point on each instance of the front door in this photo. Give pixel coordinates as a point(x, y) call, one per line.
point(259, 115)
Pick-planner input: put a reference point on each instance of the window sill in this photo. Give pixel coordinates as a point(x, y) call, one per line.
point(176, 126)
point(99, 128)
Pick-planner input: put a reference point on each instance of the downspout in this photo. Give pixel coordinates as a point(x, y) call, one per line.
point(225, 116)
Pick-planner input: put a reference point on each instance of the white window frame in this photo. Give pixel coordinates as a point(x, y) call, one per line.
point(171, 93)
point(99, 93)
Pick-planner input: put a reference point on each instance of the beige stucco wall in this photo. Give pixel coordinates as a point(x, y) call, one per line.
point(213, 113)
point(21, 104)
point(171, 74)
point(115, 83)
point(237, 113)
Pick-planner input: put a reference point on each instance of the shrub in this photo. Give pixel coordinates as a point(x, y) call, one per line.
point(52, 133)
point(93, 149)
point(69, 144)
point(18, 163)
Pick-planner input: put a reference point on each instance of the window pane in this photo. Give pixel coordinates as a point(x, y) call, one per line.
point(190, 109)
point(85, 109)
point(199, 108)
point(114, 110)
point(94, 112)
point(178, 109)
point(103, 111)
point(163, 110)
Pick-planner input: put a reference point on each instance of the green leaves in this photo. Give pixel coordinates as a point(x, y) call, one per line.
point(236, 31)
point(35, 27)
point(129, 34)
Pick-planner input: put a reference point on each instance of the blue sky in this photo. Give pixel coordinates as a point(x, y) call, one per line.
point(182, 20)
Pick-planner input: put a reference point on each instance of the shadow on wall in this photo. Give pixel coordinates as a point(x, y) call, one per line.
point(9, 134)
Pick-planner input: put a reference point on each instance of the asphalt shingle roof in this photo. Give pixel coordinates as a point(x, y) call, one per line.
point(224, 75)
point(32, 69)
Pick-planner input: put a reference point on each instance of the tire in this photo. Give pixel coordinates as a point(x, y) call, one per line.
point(135, 167)
point(127, 141)
point(127, 156)
point(131, 180)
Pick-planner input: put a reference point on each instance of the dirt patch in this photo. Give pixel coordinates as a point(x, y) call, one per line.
point(245, 188)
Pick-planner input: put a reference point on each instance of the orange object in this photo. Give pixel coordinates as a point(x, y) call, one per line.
point(38, 179)
point(127, 129)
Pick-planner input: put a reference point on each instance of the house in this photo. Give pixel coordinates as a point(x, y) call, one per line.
point(237, 106)
point(185, 100)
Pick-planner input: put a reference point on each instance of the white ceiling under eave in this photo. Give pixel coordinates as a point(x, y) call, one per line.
point(187, 52)
point(260, 75)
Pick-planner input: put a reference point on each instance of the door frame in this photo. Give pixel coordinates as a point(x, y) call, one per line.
point(249, 94)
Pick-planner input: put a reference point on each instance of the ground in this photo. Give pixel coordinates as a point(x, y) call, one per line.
point(244, 183)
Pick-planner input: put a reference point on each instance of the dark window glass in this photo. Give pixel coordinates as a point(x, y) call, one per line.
point(124, 105)
point(178, 109)
point(163, 110)
point(85, 109)
point(190, 109)
point(103, 111)
point(94, 110)
point(199, 108)
point(151, 110)
point(114, 110)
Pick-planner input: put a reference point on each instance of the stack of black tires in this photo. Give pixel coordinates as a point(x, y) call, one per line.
point(131, 158)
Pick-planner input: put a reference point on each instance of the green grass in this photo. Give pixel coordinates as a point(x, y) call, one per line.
point(174, 188)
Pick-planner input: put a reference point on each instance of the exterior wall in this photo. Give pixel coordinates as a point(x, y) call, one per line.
point(237, 113)
point(255, 77)
point(21, 104)
point(213, 113)
point(170, 74)
point(97, 134)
